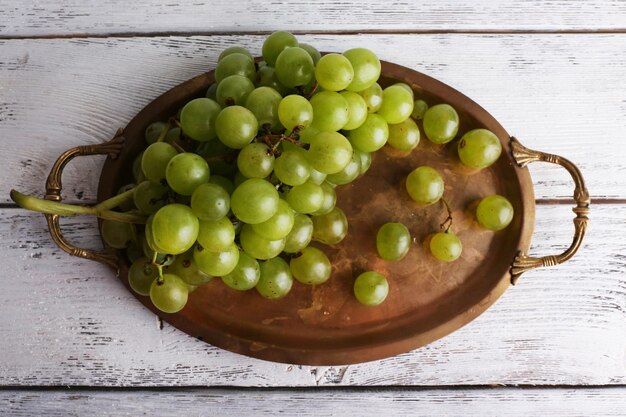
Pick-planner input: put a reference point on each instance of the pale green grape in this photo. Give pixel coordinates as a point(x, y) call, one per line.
point(276, 279)
point(357, 110)
point(314, 53)
point(446, 246)
point(330, 228)
point(317, 177)
point(330, 199)
point(300, 235)
point(255, 161)
point(366, 67)
point(292, 168)
point(494, 212)
point(116, 234)
point(393, 241)
point(275, 44)
point(371, 288)
point(169, 294)
point(234, 89)
point(295, 111)
point(294, 67)
point(306, 198)
point(397, 104)
point(419, 109)
point(141, 275)
point(330, 111)
point(329, 152)
point(479, 148)
point(425, 185)
point(373, 96)
point(216, 264)
point(404, 136)
point(266, 77)
point(185, 172)
point(235, 64)
point(155, 159)
point(349, 173)
point(310, 267)
point(441, 123)
point(236, 126)
point(257, 246)
point(406, 87)
point(216, 235)
point(306, 135)
point(185, 267)
point(149, 197)
point(198, 118)
point(234, 50)
point(366, 160)
point(210, 202)
point(153, 131)
point(263, 103)
point(174, 229)
point(371, 135)
point(254, 201)
point(246, 274)
point(225, 183)
point(279, 225)
point(334, 72)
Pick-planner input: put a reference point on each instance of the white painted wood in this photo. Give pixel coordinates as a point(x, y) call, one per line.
point(558, 93)
point(68, 321)
point(28, 18)
point(486, 402)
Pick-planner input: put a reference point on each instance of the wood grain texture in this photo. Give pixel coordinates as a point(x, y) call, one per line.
point(556, 93)
point(502, 402)
point(28, 18)
point(68, 321)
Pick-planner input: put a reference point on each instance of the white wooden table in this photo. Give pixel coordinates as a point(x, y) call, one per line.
point(74, 341)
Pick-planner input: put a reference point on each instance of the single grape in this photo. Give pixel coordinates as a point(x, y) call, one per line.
point(314, 53)
point(255, 161)
point(330, 111)
point(153, 131)
point(169, 294)
point(141, 274)
point(210, 202)
point(300, 235)
point(234, 89)
point(149, 197)
point(366, 160)
point(266, 77)
point(223, 182)
point(329, 152)
point(334, 72)
point(306, 198)
point(254, 201)
point(330, 199)
point(292, 168)
point(235, 64)
point(357, 110)
point(236, 126)
point(494, 212)
point(371, 135)
point(441, 123)
point(174, 136)
point(306, 135)
point(275, 44)
point(311, 266)
point(263, 103)
point(116, 234)
point(216, 264)
point(279, 225)
point(198, 119)
point(155, 159)
point(349, 173)
point(446, 246)
point(317, 177)
point(148, 251)
point(235, 50)
point(257, 246)
point(397, 104)
point(239, 179)
point(246, 274)
point(276, 280)
point(366, 67)
point(393, 241)
point(419, 109)
point(330, 228)
point(479, 148)
point(404, 136)
point(174, 229)
point(406, 87)
point(211, 92)
point(216, 235)
point(294, 67)
point(185, 172)
point(295, 111)
point(186, 269)
point(373, 96)
point(425, 185)
point(371, 288)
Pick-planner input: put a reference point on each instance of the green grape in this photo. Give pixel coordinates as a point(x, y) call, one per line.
point(425, 185)
point(216, 264)
point(185, 172)
point(116, 234)
point(170, 294)
point(216, 235)
point(330, 111)
point(235, 50)
point(211, 92)
point(186, 269)
point(254, 201)
point(446, 246)
point(310, 267)
point(263, 103)
point(219, 157)
point(373, 97)
point(357, 110)
point(276, 280)
point(329, 152)
point(239, 179)
point(174, 136)
point(393, 241)
point(223, 182)
point(148, 251)
point(494, 212)
point(366, 160)
point(149, 197)
point(210, 202)
point(155, 159)
point(235, 64)
point(419, 109)
point(198, 119)
point(306, 198)
point(257, 246)
point(141, 274)
point(236, 126)
point(397, 104)
point(366, 68)
point(330, 199)
point(255, 161)
point(306, 135)
point(404, 136)
point(174, 229)
point(128, 204)
point(334, 72)
point(292, 168)
point(138, 174)
point(371, 288)
point(150, 241)
point(153, 131)
point(406, 87)
point(294, 67)
point(266, 77)
point(371, 135)
point(317, 177)
point(134, 251)
point(295, 111)
point(246, 274)
point(330, 228)
point(349, 173)
point(314, 53)
point(234, 89)
point(441, 123)
point(279, 225)
point(275, 44)
point(300, 235)
point(479, 148)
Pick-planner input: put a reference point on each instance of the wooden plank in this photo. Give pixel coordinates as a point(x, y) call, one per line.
point(557, 93)
point(146, 16)
point(502, 402)
point(68, 321)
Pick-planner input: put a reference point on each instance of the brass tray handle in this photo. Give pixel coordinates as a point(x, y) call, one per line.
point(522, 262)
point(112, 148)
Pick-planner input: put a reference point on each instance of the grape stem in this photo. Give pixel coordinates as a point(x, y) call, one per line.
point(102, 210)
point(448, 219)
point(274, 140)
point(163, 134)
